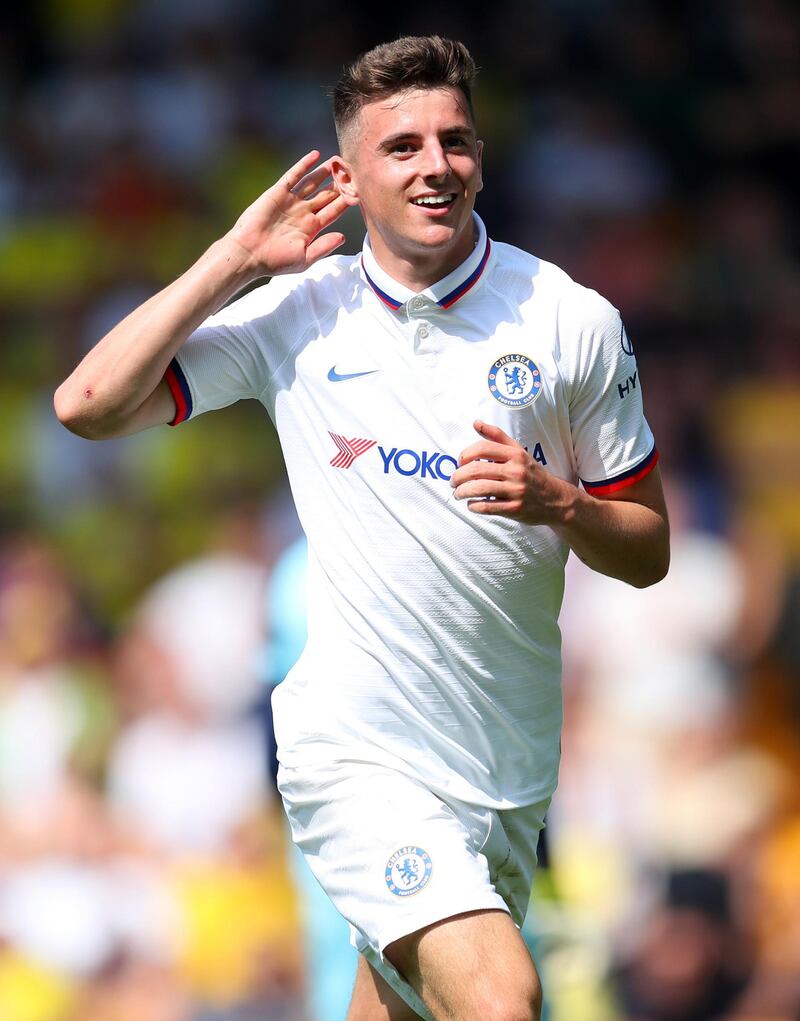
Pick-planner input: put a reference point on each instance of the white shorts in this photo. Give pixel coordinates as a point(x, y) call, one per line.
point(394, 857)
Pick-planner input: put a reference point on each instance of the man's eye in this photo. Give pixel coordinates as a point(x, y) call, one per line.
point(402, 147)
point(455, 141)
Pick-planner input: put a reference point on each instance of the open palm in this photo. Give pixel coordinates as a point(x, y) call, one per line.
point(282, 229)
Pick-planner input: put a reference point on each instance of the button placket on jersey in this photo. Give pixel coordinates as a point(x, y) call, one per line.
point(418, 311)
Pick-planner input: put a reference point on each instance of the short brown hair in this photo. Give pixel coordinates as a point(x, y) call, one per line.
point(410, 62)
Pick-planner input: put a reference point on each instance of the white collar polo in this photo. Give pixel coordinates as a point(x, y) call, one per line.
point(445, 292)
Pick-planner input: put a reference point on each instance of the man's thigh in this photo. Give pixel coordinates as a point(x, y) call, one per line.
point(375, 1000)
point(472, 967)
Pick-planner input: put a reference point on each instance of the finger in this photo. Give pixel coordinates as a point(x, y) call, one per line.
point(309, 183)
point(476, 489)
point(494, 433)
point(322, 246)
point(506, 507)
point(485, 451)
point(295, 174)
point(478, 470)
point(321, 199)
point(331, 212)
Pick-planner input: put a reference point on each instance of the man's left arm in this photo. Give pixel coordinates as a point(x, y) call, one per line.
point(624, 534)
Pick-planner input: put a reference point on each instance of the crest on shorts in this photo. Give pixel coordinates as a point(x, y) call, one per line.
point(408, 871)
point(515, 380)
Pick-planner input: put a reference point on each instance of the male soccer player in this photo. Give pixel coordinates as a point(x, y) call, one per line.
point(439, 400)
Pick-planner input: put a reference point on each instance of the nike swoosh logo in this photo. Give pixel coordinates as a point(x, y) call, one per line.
point(334, 376)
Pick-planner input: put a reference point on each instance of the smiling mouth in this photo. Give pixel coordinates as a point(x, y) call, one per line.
point(434, 201)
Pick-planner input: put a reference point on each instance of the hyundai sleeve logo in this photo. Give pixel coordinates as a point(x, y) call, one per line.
point(336, 377)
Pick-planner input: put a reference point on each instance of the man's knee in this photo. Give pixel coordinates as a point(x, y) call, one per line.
point(508, 1005)
point(491, 995)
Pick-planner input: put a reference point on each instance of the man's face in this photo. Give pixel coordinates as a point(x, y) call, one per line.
point(413, 165)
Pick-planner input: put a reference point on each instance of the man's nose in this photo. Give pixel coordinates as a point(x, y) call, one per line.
point(436, 164)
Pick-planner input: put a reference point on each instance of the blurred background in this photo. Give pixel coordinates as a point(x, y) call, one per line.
point(652, 149)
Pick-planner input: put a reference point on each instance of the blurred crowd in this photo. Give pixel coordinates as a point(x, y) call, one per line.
point(652, 149)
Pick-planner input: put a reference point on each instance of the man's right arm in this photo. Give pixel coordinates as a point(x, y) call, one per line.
point(119, 388)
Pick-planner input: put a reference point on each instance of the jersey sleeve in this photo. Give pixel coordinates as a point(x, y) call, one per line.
point(228, 357)
point(612, 442)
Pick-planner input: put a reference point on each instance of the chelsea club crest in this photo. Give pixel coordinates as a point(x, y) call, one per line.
point(515, 380)
point(408, 871)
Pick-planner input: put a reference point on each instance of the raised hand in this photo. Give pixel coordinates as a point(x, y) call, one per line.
point(497, 475)
point(281, 230)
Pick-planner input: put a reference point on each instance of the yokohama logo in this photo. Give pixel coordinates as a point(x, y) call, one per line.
point(349, 450)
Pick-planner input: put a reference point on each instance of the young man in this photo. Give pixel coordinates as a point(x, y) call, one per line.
point(438, 399)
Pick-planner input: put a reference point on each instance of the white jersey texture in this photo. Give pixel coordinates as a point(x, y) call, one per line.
point(433, 644)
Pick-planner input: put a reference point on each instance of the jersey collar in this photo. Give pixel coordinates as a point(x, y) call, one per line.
point(444, 292)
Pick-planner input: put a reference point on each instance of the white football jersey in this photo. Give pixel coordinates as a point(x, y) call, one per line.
point(433, 644)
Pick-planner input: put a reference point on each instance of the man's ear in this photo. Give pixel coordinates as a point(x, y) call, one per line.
point(343, 179)
point(480, 166)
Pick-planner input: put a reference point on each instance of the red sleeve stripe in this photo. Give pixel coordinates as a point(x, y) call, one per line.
point(627, 478)
point(181, 394)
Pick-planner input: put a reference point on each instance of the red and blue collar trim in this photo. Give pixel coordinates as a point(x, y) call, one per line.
point(445, 292)
point(469, 283)
point(387, 299)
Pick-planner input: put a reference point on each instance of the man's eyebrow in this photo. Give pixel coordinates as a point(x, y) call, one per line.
point(392, 140)
point(407, 136)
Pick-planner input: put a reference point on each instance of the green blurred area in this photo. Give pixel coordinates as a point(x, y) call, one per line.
point(173, 485)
